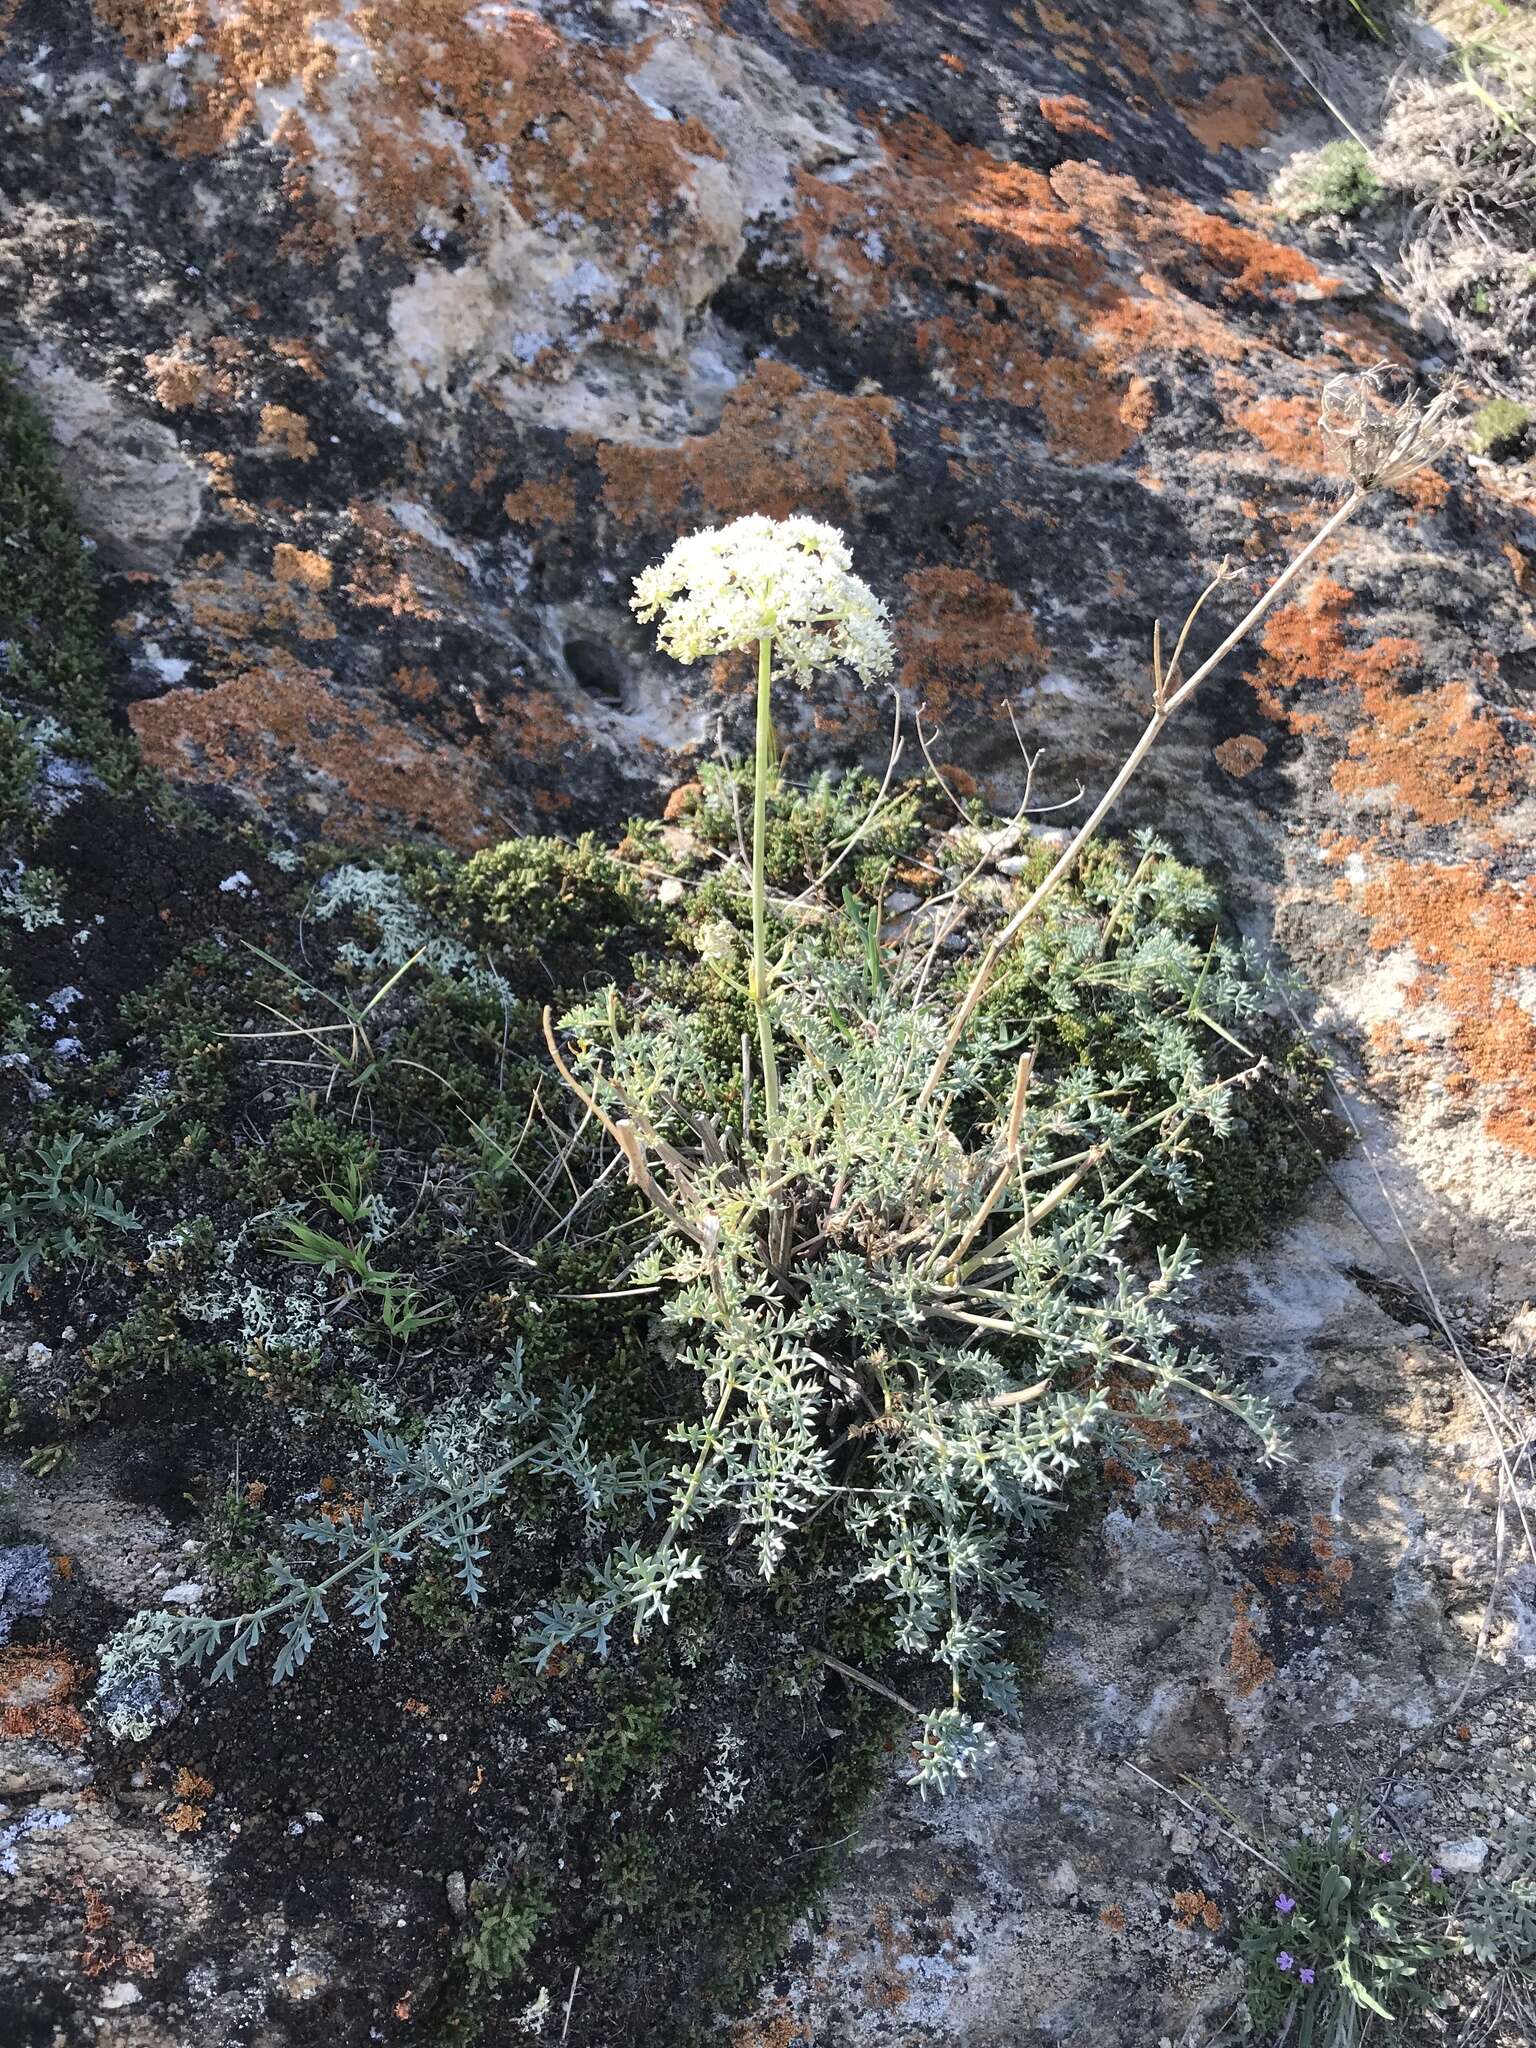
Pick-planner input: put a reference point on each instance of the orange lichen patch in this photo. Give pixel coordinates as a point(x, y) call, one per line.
point(1289, 430)
point(549, 501)
point(1237, 114)
point(1179, 237)
point(1016, 277)
point(538, 729)
point(1334, 1571)
point(189, 1784)
point(1241, 754)
point(1190, 1907)
point(1205, 1499)
point(378, 588)
point(1069, 114)
point(342, 1509)
point(1324, 1578)
point(1442, 755)
point(557, 115)
point(185, 1819)
point(232, 607)
point(282, 723)
point(781, 447)
point(1306, 643)
point(1248, 1664)
point(301, 565)
point(285, 432)
point(102, 1949)
point(775, 2029)
point(1521, 566)
point(1426, 490)
point(888, 1984)
point(960, 634)
point(99, 1952)
point(1473, 936)
point(815, 21)
point(943, 208)
point(445, 110)
point(1047, 286)
point(419, 684)
point(35, 1688)
point(391, 563)
point(301, 354)
point(1161, 320)
point(149, 28)
point(179, 377)
point(1112, 1917)
point(959, 781)
point(221, 474)
point(1088, 415)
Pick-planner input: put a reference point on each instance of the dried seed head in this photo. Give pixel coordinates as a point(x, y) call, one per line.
point(1383, 439)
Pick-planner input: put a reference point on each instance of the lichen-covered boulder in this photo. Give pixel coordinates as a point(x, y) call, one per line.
point(384, 345)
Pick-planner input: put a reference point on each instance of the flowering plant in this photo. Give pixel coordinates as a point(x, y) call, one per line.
point(787, 581)
point(1351, 1937)
point(786, 586)
point(917, 1307)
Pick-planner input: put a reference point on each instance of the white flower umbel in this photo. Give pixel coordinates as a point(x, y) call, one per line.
point(787, 586)
point(787, 581)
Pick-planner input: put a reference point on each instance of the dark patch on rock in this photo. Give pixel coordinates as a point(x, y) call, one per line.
point(26, 1584)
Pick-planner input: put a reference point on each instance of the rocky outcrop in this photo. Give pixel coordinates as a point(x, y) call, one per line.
point(385, 346)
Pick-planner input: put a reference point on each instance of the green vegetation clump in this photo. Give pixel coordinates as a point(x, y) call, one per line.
point(1128, 972)
point(924, 1308)
point(1500, 428)
point(547, 899)
point(53, 1208)
point(506, 1926)
point(1356, 1932)
point(808, 827)
point(20, 762)
point(1353, 1934)
point(1341, 181)
point(50, 643)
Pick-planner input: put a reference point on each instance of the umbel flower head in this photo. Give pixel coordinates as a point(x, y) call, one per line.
point(790, 581)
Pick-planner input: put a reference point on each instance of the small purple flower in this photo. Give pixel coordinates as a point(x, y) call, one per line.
point(1308, 1976)
point(1285, 1903)
point(1383, 1855)
point(1285, 1960)
point(1436, 1874)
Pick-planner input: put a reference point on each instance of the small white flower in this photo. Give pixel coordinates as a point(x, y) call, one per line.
point(717, 940)
point(790, 581)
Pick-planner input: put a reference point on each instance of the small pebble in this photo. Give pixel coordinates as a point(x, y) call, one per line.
point(1465, 1858)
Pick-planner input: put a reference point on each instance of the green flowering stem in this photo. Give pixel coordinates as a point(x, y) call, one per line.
point(757, 987)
